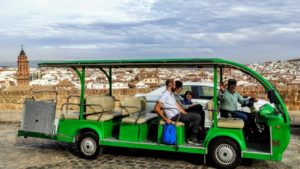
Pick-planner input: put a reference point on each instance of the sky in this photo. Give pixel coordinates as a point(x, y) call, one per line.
point(239, 30)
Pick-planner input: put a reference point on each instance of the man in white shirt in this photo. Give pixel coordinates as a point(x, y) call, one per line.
point(173, 111)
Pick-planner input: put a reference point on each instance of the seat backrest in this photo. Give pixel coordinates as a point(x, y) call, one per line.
point(133, 104)
point(106, 104)
point(210, 109)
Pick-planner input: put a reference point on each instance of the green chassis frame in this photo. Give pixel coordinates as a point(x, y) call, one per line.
point(68, 130)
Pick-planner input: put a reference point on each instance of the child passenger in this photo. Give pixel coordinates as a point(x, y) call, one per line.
point(188, 98)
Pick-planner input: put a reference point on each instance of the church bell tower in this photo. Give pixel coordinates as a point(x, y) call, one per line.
point(23, 69)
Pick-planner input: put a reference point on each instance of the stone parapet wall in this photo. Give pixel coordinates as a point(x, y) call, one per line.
point(13, 100)
point(289, 93)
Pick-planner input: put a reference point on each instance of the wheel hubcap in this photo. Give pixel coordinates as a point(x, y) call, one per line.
point(225, 154)
point(88, 146)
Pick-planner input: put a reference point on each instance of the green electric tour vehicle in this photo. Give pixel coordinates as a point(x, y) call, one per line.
point(98, 123)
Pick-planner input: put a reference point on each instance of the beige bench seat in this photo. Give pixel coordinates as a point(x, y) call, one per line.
point(104, 117)
point(224, 122)
point(142, 119)
point(100, 106)
point(133, 106)
point(230, 123)
point(162, 122)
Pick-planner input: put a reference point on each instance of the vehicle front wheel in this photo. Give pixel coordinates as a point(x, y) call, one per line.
point(88, 145)
point(225, 153)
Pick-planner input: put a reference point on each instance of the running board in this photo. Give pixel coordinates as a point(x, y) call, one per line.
point(154, 146)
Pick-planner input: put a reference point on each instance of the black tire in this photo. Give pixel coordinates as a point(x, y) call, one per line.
point(88, 145)
point(224, 153)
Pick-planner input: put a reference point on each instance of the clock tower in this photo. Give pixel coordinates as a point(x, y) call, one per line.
point(23, 69)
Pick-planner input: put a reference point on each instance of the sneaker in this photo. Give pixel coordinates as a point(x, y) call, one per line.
point(194, 141)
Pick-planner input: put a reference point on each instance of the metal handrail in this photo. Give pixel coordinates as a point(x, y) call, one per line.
point(139, 111)
point(71, 96)
point(78, 104)
point(67, 104)
point(101, 113)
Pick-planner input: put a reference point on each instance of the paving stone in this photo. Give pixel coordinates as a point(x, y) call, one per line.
point(17, 152)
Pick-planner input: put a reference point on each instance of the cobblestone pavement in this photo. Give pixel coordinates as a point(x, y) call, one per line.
point(18, 152)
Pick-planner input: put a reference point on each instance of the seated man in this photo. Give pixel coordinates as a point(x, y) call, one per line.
point(191, 108)
point(228, 105)
point(175, 112)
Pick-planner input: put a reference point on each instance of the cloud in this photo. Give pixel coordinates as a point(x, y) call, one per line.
point(82, 46)
point(150, 28)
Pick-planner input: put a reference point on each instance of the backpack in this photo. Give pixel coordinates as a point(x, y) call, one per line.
point(169, 134)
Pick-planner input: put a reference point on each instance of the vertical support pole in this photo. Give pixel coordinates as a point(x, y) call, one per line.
point(82, 82)
point(110, 81)
point(215, 95)
point(221, 74)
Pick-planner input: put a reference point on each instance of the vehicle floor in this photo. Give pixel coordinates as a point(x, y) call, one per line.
point(114, 139)
point(260, 147)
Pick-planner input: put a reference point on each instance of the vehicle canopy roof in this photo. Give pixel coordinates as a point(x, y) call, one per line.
point(137, 63)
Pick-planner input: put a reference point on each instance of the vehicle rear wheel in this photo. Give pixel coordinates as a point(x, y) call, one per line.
point(225, 153)
point(88, 145)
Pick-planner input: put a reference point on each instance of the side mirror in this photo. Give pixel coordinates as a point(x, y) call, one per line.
point(272, 96)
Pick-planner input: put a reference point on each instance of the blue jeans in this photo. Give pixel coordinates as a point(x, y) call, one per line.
point(249, 121)
point(241, 115)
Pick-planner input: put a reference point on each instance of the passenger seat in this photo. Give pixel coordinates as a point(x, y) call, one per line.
point(224, 122)
point(135, 107)
point(100, 108)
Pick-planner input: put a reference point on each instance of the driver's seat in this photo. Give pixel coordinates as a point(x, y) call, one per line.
point(224, 122)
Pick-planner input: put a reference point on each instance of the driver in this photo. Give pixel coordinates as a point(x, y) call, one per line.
point(229, 98)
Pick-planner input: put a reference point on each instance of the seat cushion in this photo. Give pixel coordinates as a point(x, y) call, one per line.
point(71, 115)
point(210, 109)
point(133, 104)
point(162, 122)
point(143, 119)
point(104, 117)
point(230, 123)
point(107, 103)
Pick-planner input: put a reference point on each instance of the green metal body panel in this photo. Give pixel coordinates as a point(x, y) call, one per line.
point(256, 155)
point(154, 146)
point(133, 132)
point(280, 131)
point(134, 136)
point(280, 137)
point(68, 129)
point(234, 134)
point(180, 134)
point(266, 109)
